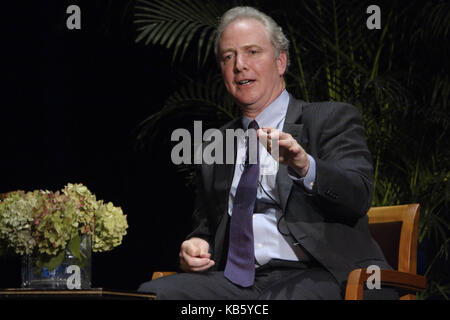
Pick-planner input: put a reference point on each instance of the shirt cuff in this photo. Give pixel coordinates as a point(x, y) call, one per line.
point(309, 178)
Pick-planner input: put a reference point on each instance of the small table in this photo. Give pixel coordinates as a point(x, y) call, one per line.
point(87, 294)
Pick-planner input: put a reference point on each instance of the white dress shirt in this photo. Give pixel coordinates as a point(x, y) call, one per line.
point(269, 242)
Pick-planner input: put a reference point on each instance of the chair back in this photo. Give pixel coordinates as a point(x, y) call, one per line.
point(395, 228)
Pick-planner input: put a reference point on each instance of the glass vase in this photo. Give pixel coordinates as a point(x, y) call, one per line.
point(72, 273)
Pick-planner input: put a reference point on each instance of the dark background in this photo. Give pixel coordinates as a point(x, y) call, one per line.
point(71, 101)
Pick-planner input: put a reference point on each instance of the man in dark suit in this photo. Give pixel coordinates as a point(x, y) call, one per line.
point(308, 222)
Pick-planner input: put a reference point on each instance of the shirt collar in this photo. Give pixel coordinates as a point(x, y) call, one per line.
point(273, 114)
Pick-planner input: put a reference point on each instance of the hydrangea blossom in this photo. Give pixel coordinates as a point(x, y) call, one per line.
point(86, 205)
point(16, 221)
point(44, 222)
point(110, 227)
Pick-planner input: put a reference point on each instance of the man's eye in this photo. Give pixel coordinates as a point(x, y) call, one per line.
point(253, 51)
point(227, 57)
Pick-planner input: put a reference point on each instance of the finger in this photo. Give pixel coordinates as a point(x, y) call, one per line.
point(295, 149)
point(194, 262)
point(205, 255)
point(284, 136)
point(267, 129)
point(190, 248)
point(274, 134)
point(199, 269)
point(261, 134)
point(204, 251)
point(201, 244)
point(286, 143)
point(291, 145)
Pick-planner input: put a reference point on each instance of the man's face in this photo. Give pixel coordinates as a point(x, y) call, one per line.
point(252, 74)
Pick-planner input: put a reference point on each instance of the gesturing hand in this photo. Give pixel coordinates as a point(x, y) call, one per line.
point(194, 255)
point(290, 152)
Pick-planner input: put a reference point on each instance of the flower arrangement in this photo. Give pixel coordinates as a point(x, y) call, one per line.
point(45, 223)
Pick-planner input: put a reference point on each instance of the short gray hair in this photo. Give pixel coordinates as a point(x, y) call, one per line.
point(277, 37)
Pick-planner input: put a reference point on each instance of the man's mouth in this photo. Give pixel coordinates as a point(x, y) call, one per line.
point(245, 82)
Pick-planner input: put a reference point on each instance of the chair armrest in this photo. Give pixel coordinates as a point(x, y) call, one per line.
point(160, 274)
point(406, 281)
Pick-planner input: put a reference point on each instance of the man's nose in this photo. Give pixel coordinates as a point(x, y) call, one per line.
point(240, 63)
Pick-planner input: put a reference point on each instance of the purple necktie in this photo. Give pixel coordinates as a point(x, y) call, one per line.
point(240, 267)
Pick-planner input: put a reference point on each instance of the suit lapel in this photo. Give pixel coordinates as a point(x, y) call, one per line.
point(284, 182)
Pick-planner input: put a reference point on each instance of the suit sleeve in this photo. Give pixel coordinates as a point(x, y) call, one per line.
point(344, 172)
point(200, 218)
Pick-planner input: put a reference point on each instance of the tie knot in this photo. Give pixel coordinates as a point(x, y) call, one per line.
point(253, 125)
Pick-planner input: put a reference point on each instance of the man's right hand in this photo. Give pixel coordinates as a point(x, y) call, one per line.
point(194, 255)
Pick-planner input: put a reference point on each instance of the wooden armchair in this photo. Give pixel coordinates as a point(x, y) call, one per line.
point(395, 228)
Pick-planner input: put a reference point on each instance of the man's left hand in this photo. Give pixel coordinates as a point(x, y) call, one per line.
point(290, 151)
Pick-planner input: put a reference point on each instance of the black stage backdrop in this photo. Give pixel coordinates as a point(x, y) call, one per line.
point(70, 104)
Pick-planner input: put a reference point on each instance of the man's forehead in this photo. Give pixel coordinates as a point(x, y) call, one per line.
point(243, 33)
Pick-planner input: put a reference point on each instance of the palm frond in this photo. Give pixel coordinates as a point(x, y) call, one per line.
point(176, 23)
point(433, 22)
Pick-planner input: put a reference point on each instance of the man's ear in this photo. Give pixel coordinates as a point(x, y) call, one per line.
point(281, 63)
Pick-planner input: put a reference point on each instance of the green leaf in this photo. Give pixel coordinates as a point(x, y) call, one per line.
point(176, 24)
point(74, 246)
point(51, 262)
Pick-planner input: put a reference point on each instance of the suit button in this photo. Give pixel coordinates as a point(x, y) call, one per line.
point(331, 194)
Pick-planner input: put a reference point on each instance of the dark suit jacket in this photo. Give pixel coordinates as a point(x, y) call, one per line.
point(329, 223)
